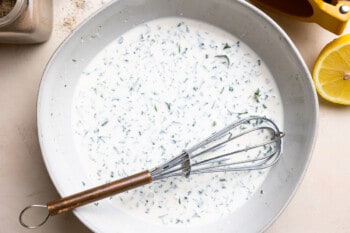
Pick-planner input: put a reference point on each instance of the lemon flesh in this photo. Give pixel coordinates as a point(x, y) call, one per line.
point(331, 73)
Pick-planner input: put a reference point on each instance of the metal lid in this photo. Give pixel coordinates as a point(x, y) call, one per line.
point(16, 11)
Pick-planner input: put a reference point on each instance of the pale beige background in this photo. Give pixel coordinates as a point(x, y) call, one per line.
point(321, 205)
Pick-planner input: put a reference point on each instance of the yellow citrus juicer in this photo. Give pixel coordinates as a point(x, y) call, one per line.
point(333, 15)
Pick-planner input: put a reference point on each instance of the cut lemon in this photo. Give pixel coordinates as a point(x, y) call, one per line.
point(331, 73)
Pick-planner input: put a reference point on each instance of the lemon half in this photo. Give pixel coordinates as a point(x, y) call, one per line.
point(331, 73)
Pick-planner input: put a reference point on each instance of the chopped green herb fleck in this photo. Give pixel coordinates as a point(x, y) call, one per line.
point(168, 105)
point(73, 60)
point(104, 123)
point(181, 23)
point(155, 108)
point(213, 124)
point(195, 88)
point(179, 201)
point(226, 46)
point(257, 95)
point(264, 106)
point(222, 180)
point(242, 113)
point(206, 56)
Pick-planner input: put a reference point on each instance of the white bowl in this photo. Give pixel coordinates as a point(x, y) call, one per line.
point(241, 19)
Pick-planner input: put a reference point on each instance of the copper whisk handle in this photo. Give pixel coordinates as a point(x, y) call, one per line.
point(97, 193)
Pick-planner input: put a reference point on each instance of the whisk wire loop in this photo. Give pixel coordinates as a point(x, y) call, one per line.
point(210, 155)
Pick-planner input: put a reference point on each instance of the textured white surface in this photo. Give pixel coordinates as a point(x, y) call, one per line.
point(321, 204)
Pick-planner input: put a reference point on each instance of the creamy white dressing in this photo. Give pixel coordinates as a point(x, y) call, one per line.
point(157, 89)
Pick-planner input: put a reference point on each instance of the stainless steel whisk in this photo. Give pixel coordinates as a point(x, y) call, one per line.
point(221, 152)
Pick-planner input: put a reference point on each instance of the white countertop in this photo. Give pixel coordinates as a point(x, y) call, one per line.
point(321, 204)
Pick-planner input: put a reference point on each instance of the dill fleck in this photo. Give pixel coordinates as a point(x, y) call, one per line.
point(179, 24)
point(259, 62)
point(155, 108)
point(242, 113)
point(264, 106)
point(206, 56)
point(168, 105)
point(257, 95)
point(226, 46)
point(195, 88)
point(179, 201)
point(222, 180)
point(73, 60)
point(104, 123)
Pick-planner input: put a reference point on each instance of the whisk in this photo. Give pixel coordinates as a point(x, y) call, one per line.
point(230, 149)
